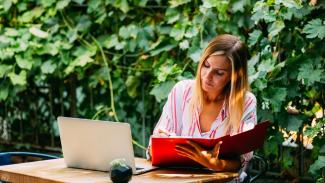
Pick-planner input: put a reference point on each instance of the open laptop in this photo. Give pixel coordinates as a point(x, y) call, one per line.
point(93, 144)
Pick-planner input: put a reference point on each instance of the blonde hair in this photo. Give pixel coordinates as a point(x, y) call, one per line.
point(236, 52)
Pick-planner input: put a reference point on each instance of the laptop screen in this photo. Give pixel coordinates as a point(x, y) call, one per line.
point(93, 144)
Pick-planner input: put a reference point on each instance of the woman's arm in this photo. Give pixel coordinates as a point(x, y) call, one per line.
point(208, 159)
point(169, 123)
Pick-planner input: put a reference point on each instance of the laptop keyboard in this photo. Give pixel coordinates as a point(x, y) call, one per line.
point(139, 168)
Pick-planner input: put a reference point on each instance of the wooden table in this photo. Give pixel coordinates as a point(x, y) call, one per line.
point(56, 171)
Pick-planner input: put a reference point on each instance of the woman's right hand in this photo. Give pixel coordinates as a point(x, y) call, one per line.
point(163, 133)
point(160, 133)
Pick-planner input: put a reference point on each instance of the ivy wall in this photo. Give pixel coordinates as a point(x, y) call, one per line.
point(118, 59)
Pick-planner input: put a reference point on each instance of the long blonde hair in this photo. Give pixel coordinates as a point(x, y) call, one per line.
point(236, 52)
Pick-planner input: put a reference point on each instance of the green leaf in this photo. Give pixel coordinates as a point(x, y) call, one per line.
point(287, 14)
point(178, 32)
point(48, 67)
point(252, 74)
point(4, 91)
point(294, 123)
point(287, 160)
point(261, 12)
point(6, 53)
point(254, 37)
point(194, 53)
point(164, 71)
point(221, 5)
point(122, 5)
point(315, 28)
point(260, 84)
point(23, 62)
point(47, 3)
point(62, 4)
point(141, 3)
point(317, 165)
point(162, 90)
point(51, 49)
point(22, 6)
point(271, 145)
point(175, 3)
point(132, 83)
point(131, 31)
point(110, 41)
point(290, 3)
point(184, 44)
point(308, 75)
point(38, 32)
point(162, 48)
point(80, 61)
point(4, 40)
point(172, 15)
point(84, 23)
point(11, 32)
point(120, 45)
point(266, 65)
point(30, 15)
point(322, 149)
point(19, 79)
point(4, 70)
point(275, 28)
point(278, 96)
point(93, 5)
point(239, 5)
point(79, 1)
point(7, 4)
point(191, 32)
point(301, 13)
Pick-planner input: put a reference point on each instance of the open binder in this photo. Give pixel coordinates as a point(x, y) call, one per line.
point(164, 154)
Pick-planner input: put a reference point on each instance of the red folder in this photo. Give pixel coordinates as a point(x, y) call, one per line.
point(164, 154)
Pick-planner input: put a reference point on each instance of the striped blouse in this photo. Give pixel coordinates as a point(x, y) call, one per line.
point(177, 118)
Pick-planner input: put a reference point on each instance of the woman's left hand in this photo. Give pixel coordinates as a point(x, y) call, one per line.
point(206, 158)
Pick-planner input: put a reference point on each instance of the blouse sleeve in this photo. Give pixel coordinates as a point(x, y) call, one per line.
point(249, 120)
point(170, 119)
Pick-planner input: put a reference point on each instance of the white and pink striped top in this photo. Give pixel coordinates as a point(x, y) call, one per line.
point(177, 118)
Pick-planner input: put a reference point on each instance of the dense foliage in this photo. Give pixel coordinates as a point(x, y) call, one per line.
point(118, 59)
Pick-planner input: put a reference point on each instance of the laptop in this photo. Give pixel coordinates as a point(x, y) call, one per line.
point(93, 144)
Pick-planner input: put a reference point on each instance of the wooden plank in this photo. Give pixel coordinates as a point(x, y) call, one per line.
point(54, 171)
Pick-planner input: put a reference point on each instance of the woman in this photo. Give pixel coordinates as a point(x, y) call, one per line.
point(216, 103)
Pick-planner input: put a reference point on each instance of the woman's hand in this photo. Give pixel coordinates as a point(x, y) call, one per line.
point(206, 158)
point(164, 133)
point(161, 133)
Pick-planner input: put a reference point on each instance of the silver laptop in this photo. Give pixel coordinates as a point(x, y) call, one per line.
point(92, 144)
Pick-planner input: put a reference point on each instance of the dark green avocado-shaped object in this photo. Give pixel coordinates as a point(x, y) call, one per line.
point(120, 172)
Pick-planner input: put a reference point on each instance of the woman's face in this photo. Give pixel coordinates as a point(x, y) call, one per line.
point(215, 74)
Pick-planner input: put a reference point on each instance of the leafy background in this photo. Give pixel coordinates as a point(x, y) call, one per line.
point(118, 59)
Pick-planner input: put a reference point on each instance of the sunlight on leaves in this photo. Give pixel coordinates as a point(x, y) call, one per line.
point(18, 79)
point(38, 32)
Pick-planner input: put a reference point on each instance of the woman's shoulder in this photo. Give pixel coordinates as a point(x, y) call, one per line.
point(249, 96)
point(184, 84)
point(250, 101)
